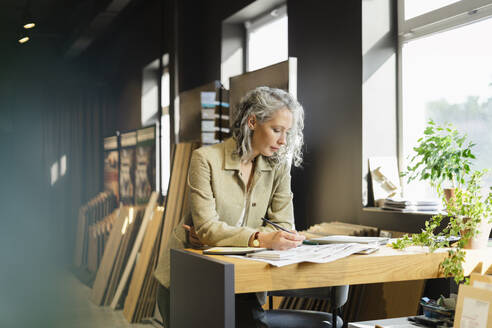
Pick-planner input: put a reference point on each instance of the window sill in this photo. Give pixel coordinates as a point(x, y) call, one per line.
point(381, 210)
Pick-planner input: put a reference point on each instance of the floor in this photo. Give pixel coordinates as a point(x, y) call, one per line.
point(58, 300)
point(86, 314)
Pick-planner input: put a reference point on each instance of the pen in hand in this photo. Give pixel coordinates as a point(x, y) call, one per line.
point(277, 226)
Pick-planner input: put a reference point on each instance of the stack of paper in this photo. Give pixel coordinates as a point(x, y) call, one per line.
point(309, 253)
point(407, 205)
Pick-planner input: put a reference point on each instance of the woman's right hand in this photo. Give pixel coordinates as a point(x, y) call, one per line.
point(280, 240)
point(192, 236)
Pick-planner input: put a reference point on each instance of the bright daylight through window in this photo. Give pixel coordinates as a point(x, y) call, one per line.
point(447, 77)
point(267, 39)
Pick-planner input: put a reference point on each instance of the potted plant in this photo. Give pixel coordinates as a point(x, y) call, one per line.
point(443, 154)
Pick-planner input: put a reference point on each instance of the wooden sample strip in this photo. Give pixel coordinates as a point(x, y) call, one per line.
point(177, 191)
point(123, 254)
point(107, 262)
point(79, 239)
point(282, 75)
point(149, 210)
point(143, 268)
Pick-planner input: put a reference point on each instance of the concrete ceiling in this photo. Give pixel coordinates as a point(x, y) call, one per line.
point(70, 26)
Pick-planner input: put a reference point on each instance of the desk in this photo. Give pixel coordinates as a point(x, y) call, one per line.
point(203, 286)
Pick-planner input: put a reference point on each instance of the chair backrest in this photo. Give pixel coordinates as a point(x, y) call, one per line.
point(338, 295)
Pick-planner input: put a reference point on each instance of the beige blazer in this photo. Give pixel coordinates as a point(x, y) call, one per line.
point(218, 198)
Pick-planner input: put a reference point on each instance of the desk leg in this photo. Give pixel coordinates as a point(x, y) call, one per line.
point(334, 312)
point(202, 291)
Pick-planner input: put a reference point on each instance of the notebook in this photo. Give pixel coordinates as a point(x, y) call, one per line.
point(232, 250)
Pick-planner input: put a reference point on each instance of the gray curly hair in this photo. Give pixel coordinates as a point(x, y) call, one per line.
point(263, 102)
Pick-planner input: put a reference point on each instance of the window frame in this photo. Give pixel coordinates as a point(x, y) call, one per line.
point(448, 17)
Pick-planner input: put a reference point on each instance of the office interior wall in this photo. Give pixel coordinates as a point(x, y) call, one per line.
point(199, 38)
point(326, 37)
point(117, 59)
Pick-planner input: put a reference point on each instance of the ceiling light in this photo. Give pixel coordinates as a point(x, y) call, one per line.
point(24, 39)
point(29, 25)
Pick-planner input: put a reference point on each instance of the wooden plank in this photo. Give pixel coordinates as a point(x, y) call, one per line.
point(118, 257)
point(104, 271)
point(150, 297)
point(142, 264)
point(149, 210)
point(148, 302)
point(124, 253)
point(175, 200)
point(144, 292)
point(79, 239)
point(92, 249)
point(282, 75)
point(173, 195)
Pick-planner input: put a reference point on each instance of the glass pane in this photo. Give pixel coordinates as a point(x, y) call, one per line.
point(165, 152)
point(418, 7)
point(267, 45)
point(165, 89)
point(447, 77)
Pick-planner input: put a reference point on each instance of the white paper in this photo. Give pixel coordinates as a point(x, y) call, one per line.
point(308, 253)
point(475, 313)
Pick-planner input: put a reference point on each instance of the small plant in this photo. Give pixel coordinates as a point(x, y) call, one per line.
point(442, 155)
point(465, 211)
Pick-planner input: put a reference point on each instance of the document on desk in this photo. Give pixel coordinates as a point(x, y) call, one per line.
point(309, 253)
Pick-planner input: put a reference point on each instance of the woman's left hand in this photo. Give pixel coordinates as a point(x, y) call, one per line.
point(192, 236)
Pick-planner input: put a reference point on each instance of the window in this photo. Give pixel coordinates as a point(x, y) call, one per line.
point(149, 115)
point(54, 172)
point(446, 75)
point(266, 39)
point(415, 8)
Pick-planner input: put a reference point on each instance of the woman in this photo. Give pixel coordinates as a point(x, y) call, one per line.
point(236, 183)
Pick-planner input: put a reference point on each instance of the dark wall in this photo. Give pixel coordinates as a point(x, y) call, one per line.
point(199, 39)
point(116, 60)
point(326, 39)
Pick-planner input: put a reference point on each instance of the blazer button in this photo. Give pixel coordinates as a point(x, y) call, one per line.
point(254, 204)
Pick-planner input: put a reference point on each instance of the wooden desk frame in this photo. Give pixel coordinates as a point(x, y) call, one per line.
point(203, 286)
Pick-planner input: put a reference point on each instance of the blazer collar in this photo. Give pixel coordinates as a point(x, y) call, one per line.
point(232, 161)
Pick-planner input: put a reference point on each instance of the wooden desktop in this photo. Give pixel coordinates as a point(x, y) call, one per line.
point(203, 286)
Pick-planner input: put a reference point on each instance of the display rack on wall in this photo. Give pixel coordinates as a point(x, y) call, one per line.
point(215, 125)
point(145, 165)
point(130, 165)
point(204, 109)
point(127, 167)
point(111, 165)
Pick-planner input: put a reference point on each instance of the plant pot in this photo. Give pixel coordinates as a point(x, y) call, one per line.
point(449, 193)
point(481, 239)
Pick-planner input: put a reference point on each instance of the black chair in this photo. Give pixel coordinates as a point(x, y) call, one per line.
point(303, 318)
